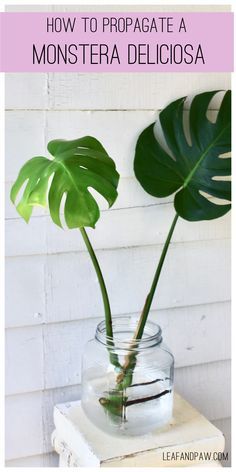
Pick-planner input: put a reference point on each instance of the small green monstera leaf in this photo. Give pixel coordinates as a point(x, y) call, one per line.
point(193, 170)
point(77, 165)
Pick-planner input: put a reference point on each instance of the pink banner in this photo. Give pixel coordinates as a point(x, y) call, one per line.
point(116, 42)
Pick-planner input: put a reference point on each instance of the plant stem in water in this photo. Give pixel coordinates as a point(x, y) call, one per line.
point(130, 360)
point(116, 400)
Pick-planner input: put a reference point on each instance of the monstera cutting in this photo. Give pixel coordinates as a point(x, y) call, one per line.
point(189, 159)
point(193, 169)
point(76, 166)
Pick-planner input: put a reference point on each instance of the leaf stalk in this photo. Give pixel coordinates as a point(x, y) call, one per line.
point(130, 359)
point(144, 315)
point(106, 303)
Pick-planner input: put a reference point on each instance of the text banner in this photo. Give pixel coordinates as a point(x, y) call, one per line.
point(116, 42)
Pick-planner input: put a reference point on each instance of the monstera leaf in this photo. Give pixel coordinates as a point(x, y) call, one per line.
point(193, 170)
point(77, 166)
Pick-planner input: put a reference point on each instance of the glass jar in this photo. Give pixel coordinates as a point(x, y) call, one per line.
point(127, 386)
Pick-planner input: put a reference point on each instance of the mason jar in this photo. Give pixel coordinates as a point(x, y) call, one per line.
point(127, 385)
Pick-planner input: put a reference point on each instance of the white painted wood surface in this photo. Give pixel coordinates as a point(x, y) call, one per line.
point(63, 365)
point(74, 91)
point(68, 298)
point(50, 310)
point(78, 443)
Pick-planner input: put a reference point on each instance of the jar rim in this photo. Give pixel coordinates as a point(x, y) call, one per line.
point(124, 325)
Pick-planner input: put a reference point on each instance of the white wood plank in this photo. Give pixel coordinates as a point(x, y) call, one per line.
point(50, 459)
point(117, 130)
point(24, 360)
point(25, 297)
point(64, 344)
point(32, 414)
point(29, 238)
point(26, 91)
point(50, 355)
point(128, 91)
point(207, 387)
point(188, 278)
point(115, 229)
point(187, 331)
point(24, 139)
point(96, 92)
point(25, 438)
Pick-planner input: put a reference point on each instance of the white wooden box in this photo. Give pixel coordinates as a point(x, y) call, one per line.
point(80, 443)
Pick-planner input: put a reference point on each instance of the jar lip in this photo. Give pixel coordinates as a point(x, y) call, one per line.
point(124, 325)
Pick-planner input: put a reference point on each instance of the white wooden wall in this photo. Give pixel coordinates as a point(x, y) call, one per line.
point(52, 296)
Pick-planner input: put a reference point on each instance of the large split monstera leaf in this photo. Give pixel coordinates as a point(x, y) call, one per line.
point(77, 166)
point(193, 171)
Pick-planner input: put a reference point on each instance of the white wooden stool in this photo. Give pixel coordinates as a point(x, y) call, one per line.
point(183, 443)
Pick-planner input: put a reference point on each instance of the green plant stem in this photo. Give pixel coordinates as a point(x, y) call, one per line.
point(130, 360)
point(144, 315)
point(117, 399)
point(106, 303)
